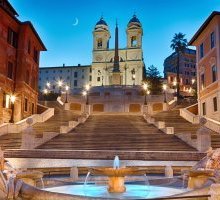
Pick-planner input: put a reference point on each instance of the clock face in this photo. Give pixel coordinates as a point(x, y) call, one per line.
point(98, 58)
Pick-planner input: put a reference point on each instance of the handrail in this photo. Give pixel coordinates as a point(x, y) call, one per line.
point(212, 124)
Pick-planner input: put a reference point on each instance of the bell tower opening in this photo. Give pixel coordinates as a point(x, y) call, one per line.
point(134, 41)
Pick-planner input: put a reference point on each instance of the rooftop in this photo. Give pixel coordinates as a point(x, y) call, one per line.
point(204, 25)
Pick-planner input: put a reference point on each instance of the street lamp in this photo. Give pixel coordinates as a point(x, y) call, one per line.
point(145, 87)
point(66, 88)
point(193, 81)
point(48, 84)
point(133, 75)
point(86, 93)
point(60, 83)
point(164, 90)
point(12, 99)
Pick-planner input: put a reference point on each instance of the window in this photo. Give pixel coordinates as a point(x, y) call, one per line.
point(133, 41)
point(61, 71)
point(212, 38)
point(90, 70)
point(75, 83)
point(215, 104)
point(203, 108)
point(99, 45)
point(90, 78)
point(75, 74)
point(202, 81)
point(214, 73)
point(98, 79)
point(54, 87)
point(25, 104)
point(29, 46)
point(187, 81)
point(82, 76)
point(27, 77)
point(68, 77)
point(201, 51)
point(10, 70)
point(12, 38)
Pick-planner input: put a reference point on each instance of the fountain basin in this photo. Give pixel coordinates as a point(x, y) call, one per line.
point(133, 191)
point(116, 176)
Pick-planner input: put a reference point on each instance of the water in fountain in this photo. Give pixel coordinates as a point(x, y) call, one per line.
point(87, 176)
point(42, 183)
point(146, 180)
point(116, 163)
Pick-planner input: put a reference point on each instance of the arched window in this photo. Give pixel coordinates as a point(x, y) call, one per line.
point(133, 41)
point(99, 46)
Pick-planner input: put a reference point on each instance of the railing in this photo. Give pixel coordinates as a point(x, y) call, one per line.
point(189, 116)
point(21, 125)
point(212, 124)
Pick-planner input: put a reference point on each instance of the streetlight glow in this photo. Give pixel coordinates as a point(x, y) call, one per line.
point(193, 81)
point(164, 87)
point(48, 84)
point(145, 86)
point(174, 83)
point(45, 91)
point(60, 83)
point(87, 87)
point(84, 93)
point(67, 88)
point(148, 92)
point(13, 98)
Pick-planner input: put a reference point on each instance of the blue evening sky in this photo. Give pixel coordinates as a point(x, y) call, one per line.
point(71, 45)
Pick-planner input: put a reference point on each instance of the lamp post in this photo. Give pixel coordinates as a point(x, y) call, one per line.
point(133, 75)
point(164, 91)
point(86, 93)
point(145, 87)
point(60, 83)
point(66, 88)
point(12, 99)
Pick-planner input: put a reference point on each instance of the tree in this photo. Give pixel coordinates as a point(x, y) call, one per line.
point(153, 80)
point(178, 44)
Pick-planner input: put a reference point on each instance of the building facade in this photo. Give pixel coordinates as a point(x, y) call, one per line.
point(75, 77)
point(100, 72)
point(187, 69)
point(207, 44)
point(20, 47)
point(131, 62)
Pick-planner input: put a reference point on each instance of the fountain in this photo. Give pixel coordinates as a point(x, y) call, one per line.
point(116, 175)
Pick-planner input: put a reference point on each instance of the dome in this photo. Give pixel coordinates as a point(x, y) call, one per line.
point(134, 21)
point(102, 22)
point(101, 25)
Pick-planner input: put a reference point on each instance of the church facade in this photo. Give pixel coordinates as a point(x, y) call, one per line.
point(129, 61)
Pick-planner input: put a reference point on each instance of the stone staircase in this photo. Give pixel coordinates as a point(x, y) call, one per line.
point(172, 118)
point(61, 118)
point(117, 132)
point(11, 141)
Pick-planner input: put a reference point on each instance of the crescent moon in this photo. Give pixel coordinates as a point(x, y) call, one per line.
point(76, 22)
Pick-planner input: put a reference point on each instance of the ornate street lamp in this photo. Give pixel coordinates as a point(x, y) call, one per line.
point(66, 88)
point(133, 75)
point(145, 87)
point(164, 91)
point(86, 93)
point(60, 84)
point(12, 99)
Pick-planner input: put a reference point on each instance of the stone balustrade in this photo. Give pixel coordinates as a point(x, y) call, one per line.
point(213, 124)
point(21, 125)
point(189, 116)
